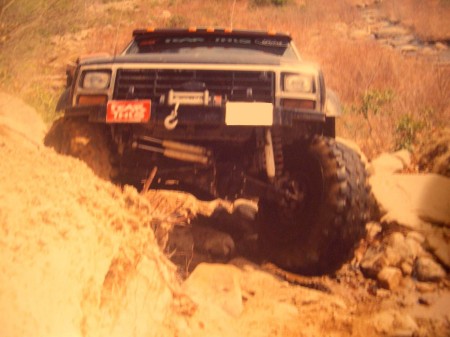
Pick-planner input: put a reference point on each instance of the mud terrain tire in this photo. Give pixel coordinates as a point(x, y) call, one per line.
point(319, 235)
point(79, 138)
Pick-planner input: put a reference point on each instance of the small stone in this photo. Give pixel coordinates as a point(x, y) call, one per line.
point(393, 256)
point(390, 277)
point(372, 262)
point(407, 268)
point(409, 48)
point(425, 287)
point(416, 236)
point(383, 293)
point(440, 46)
point(408, 284)
point(426, 269)
point(428, 51)
point(391, 31)
point(396, 241)
point(372, 230)
point(415, 248)
point(404, 40)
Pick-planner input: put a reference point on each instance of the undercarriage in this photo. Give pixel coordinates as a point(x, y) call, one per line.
point(249, 165)
point(312, 191)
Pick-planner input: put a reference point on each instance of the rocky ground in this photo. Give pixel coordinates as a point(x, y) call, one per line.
point(80, 256)
point(388, 30)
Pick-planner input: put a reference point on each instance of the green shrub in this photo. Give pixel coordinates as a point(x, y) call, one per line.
point(406, 131)
point(373, 102)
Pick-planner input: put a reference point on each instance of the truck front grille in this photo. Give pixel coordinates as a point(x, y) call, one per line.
point(243, 86)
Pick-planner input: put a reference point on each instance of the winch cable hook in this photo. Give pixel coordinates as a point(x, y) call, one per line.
point(171, 121)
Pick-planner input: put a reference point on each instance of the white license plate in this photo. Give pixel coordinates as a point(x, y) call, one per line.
point(249, 114)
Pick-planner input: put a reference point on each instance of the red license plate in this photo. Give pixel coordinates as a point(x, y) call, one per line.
point(128, 111)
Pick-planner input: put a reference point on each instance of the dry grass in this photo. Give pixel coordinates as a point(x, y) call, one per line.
point(31, 56)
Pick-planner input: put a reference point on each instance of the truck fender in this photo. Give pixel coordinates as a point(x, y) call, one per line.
point(63, 100)
point(333, 107)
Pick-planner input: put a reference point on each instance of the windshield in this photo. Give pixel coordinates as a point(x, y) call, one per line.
point(215, 47)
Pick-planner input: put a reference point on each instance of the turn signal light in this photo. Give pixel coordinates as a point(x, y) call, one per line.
point(92, 99)
point(298, 104)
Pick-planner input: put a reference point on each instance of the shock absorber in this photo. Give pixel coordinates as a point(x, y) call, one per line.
point(273, 149)
point(278, 152)
point(269, 155)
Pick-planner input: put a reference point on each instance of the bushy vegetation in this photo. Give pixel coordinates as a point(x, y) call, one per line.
point(390, 100)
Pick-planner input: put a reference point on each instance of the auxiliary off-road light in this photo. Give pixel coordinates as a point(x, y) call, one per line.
point(298, 83)
point(96, 80)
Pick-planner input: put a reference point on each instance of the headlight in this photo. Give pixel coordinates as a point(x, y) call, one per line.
point(298, 83)
point(96, 80)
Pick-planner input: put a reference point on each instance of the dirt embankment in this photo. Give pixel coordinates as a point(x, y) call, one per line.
point(79, 258)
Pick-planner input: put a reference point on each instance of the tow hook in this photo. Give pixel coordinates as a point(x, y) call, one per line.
point(171, 121)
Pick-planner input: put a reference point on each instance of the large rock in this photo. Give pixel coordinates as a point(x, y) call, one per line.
point(390, 162)
point(417, 202)
point(412, 200)
point(426, 269)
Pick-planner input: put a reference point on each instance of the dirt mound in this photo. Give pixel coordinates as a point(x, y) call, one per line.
point(75, 250)
point(19, 122)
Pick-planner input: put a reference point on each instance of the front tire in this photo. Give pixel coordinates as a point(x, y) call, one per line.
point(319, 234)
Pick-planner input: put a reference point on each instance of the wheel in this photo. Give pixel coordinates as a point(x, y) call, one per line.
point(316, 235)
point(86, 141)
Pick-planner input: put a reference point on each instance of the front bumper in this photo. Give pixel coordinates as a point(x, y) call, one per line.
point(199, 115)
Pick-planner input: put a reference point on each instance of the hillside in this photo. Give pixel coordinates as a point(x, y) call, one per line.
point(81, 256)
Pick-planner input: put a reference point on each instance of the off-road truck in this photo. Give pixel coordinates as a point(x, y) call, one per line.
point(223, 113)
